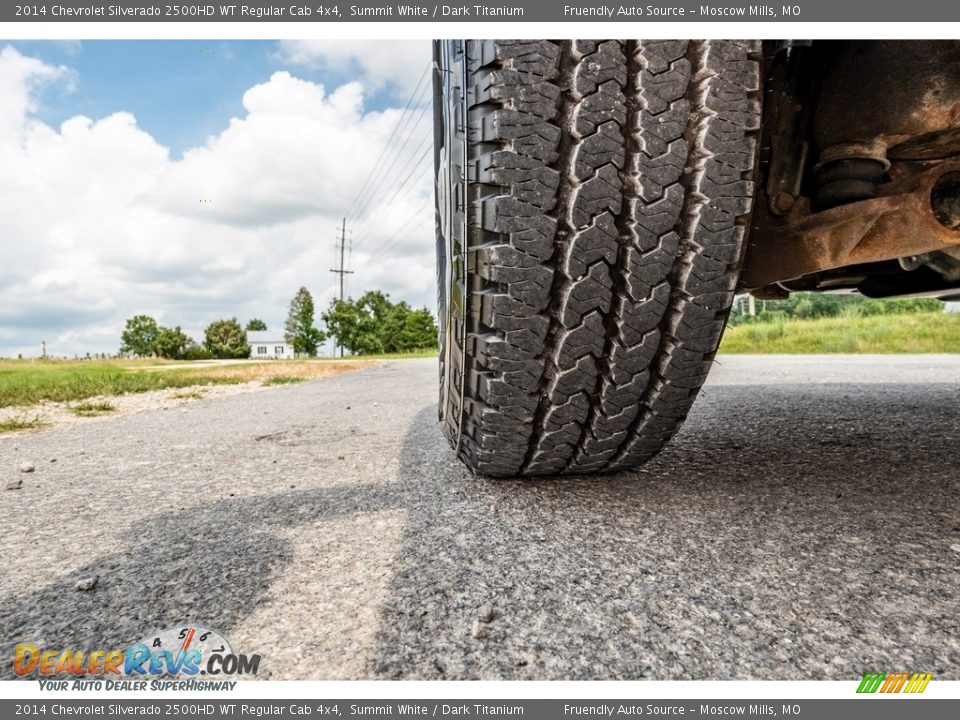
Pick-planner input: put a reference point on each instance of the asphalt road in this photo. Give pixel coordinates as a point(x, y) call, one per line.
point(805, 524)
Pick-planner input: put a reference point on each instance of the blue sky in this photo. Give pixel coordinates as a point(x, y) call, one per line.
point(180, 91)
point(194, 181)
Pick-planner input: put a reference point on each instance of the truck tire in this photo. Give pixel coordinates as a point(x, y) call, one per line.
point(593, 200)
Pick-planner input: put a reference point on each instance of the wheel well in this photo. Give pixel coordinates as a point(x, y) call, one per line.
point(858, 175)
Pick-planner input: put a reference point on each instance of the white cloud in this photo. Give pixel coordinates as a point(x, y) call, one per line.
point(397, 62)
point(99, 223)
point(19, 78)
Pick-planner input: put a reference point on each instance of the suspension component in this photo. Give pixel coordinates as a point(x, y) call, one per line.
point(848, 173)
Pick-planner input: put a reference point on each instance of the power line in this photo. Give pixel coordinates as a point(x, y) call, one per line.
point(389, 144)
point(406, 129)
point(374, 193)
point(427, 148)
point(393, 240)
point(400, 122)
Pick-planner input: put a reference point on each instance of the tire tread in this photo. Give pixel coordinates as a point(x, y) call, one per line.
point(610, 183)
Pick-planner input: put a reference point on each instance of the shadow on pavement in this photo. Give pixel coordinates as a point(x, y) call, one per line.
point(797, 532)
point(213, 563)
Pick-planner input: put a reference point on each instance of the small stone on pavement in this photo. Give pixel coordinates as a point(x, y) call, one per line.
point(88, 583)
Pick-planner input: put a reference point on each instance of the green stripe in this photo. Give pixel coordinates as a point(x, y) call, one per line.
point(871, 682)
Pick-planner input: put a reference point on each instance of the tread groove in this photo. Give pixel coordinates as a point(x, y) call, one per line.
point(569, 105)
point(624, 222)
point(693, 200)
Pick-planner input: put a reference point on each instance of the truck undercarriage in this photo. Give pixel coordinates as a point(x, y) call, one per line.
point(859, 170)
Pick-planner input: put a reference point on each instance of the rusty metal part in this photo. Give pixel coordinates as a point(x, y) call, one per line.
point(771, 292)
point(945, 200)
point(945, 204)
point(781, 203)
point(943, 262)
point(932, 146)
point(903, 96)
point(874, 150)
point(848, 179)
point(849, 172)
point(898, 223)
point(786, 123)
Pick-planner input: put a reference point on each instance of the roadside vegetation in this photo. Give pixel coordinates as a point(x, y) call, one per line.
point(21, 422)
point(406, 355)
point(374, 325)
point(283, 380)
point(188, 395)
point(370, 325)
point(155, 357)
point(809, 323)
point(92, 409)
point(224, 339)
point(28, 382)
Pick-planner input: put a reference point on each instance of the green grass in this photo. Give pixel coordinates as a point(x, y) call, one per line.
point(283, 380)
point(27, 382)
point(92, 409)
point(23, 422)
point(397, 356)
point(908, 333)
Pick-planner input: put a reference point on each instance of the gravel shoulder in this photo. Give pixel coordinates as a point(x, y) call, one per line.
point(802, 525)
point(47, 415)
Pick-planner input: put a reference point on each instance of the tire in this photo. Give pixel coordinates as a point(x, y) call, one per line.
point(593, 201)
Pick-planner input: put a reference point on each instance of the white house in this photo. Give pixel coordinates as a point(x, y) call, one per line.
point(268, 345)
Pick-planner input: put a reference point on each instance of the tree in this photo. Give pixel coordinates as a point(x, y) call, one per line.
point(196, 352)
point(422, 330)
point(300, 331)
point(226, 339)
point(256, 324)
point(140, 334)
point(360, 325)
point(372, 324)
point(171, 343)
point(344, 322)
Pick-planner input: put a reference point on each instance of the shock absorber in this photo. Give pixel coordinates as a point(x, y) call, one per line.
point(849, 172)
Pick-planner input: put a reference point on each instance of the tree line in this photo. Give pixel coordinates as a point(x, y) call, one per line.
point(370, 325)
point(811, 305)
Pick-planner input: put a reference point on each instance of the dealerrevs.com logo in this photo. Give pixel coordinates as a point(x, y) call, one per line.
point(184, 651)
point(894, 682)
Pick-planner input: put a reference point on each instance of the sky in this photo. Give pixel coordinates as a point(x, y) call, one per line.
point(194, 181)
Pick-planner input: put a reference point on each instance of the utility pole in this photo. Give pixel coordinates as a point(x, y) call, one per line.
point(342, 271)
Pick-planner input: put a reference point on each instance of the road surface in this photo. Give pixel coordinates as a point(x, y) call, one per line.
point(805, 524)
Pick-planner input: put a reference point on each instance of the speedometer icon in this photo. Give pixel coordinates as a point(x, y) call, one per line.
point(179, 641)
